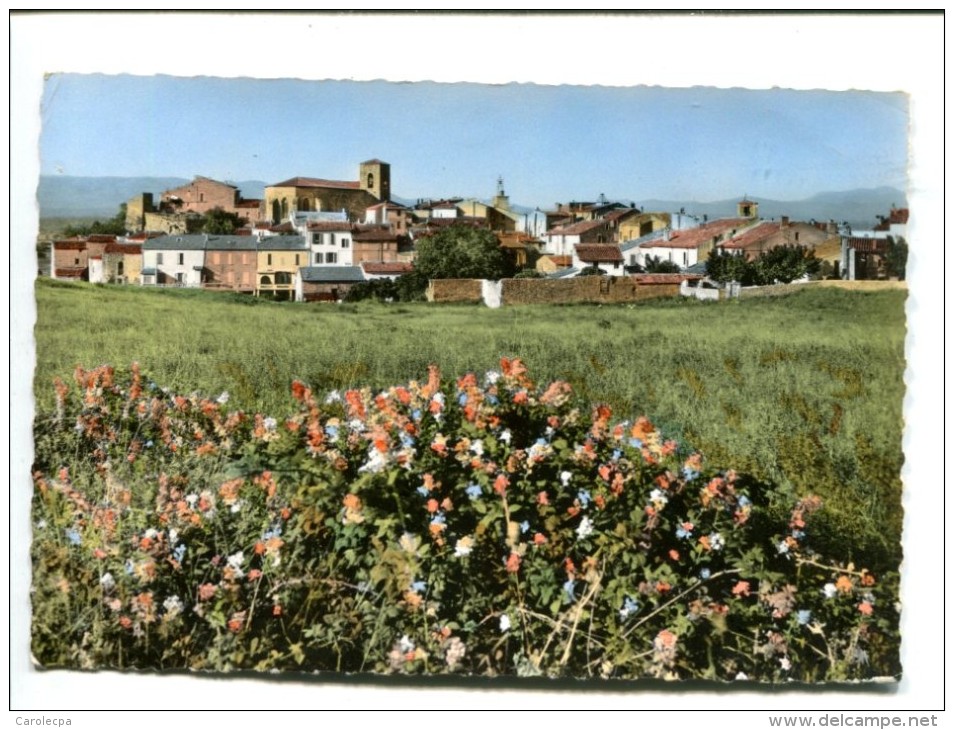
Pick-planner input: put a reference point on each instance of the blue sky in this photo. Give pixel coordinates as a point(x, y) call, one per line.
point(550, 143)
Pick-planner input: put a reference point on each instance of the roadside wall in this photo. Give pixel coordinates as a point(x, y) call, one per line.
point(594, 289)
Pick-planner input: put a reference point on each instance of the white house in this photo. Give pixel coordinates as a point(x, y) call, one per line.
point(604, 256)
point(330, 243)
point(173, 260)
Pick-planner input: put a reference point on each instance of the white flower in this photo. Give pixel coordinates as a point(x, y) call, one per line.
point(376, 461)
point(151, 533)
point(107, 582)
point(463, 547)
point(585, 529)
point(504, 623)
point(270, 424)
point(491, 377)
point(173, 536)
point(333, 397)
point(505, 436)
point(741, 675)
point(223, 399)
point(192, 499)
point(41, 525)
point(477, 447)
point(172, 605)
point(406, 644)
point(782, 547)
point(565, 477)
point(657, 496)
point(715, 541)
point(237, 506)
point(829, 590)
point(786, 664)
point(235, 563)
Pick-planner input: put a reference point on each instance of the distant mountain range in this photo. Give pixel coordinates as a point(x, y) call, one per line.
point(67, 196)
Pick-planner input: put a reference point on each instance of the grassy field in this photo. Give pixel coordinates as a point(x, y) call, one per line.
point(803, 390)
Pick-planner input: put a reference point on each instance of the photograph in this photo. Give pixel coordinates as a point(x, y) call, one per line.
point(470, 383)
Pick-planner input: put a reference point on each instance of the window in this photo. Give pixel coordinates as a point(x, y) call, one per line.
point(685, 258)
point(345, 243)
point(316, 239)
point(296, 260)
point(632, 259)
point(201, 197)
point(179, 277)
point(268, 259)
point(283, 277)
point(796, 235)
point(370, 180)
point(76, 262)
point(319, 258)
point(181, 259)
point(266, 281)
point(119, 268)
point(331, 258)
point(158, 259)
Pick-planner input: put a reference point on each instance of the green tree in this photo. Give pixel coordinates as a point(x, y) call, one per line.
point(723, 267)
point(462, 252)
point(896, 258)
point(785, 264)
point(411, 287)
point(656, 265)
point(115, 226)
point(219, 222)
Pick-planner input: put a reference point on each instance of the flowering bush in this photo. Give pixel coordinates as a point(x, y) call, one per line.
point(478, 526)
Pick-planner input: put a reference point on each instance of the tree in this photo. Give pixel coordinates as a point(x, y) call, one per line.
point(785, 264)
point(462, 252)
point(411, 287)
point(591, 271)
point(723, 267)
point(219, 222)
point(115, 226)
point(656, 265)
point(896, 258)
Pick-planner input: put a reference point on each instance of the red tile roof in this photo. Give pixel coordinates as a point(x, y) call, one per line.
point(101, 238)
point(248, 204)
point(124, 248)
point(561, 260)
point(314, 182)
point(899, 216)
point(752, 236)
point(386, 267)
point(868, 245)
point(374, 236)
point(69, 244)
point(329, 226)
point(601, 253)
point(696, 237)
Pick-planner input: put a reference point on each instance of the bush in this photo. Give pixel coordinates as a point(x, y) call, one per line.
point(479, 526)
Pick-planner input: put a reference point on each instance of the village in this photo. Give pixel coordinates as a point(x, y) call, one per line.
point(313, 239)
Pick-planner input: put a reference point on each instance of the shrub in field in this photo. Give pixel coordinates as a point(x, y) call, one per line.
point(482, 525)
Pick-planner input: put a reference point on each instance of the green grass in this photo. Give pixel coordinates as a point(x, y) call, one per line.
point(804, 390)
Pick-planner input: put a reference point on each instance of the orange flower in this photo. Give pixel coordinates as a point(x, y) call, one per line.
point(520, 397)
point(501, 483)
point(125, 622)
point(866, 608)
point(352, 501)
point(259, 548)
point(277, 610)
point(432, 505)
point(867, 579)
point(539, 538)
point(254, 574)
point(674, 554)
point(663, 587)
point(207, 591)
point(513, 563)
point(844, 584)
point(704, 541)
point(236, 622)
point(542, 498)
point(742, 588)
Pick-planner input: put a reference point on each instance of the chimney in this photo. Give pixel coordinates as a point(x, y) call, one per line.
point(666, 234)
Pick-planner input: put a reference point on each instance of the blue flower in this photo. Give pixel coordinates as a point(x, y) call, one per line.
point(616, 455)
point(804, 616)
point(149, 444)
point(584, 497)
point(418, 586)
point(705, 573)
point(525, 527)
point(179, 552)
point(629, 608)
point(74, 537)
point(798, 534)
point(407, 440)
point(422, 491)
point(744, 501)
point(493, 400)
point(416, 414)
point(439, 519)
point(568, 590)
point(462, 399)
point(474, 491)
point(682, 532)
point(636, 443)
point(331, 432)
point(689, 474)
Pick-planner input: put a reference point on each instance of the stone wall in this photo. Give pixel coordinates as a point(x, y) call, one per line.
point(582, 289)
point(455, 290)
point(171, 224)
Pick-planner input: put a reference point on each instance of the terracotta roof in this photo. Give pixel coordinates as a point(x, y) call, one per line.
point(248, 204)
point(602, 253)
point(329, 226)
point(283, 228)
point(695, 237)
point(389, 205)
point(70, 272)
point(125, 248)
point(386, 267)
point(899, 216)
point(752, 236)
point(314, 182)
point(69, 244)
point(868, 245)
point(561, 260)
point(100, 238)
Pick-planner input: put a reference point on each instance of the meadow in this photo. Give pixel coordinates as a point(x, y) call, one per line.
point(804, 391)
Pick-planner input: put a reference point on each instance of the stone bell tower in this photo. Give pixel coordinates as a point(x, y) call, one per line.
point(374, 176)
point(748, 208)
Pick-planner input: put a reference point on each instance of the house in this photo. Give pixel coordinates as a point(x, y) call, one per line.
point(304, 194)
point(231, 263)
point(642, 224)
point(632, 251)
point(523, 249)
point(330, 243)
point(69, 259)
point(173, 260)
point(385, 269)
point(690, 246)
point(549, 263)
point(862, 257)
point(122, 263)
point(279, 259)
point(377, 244)
point(605, 257)
point(204, 194)
point(325, 283)
point(394, 215)
point(756, 240)
point(562, 239)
